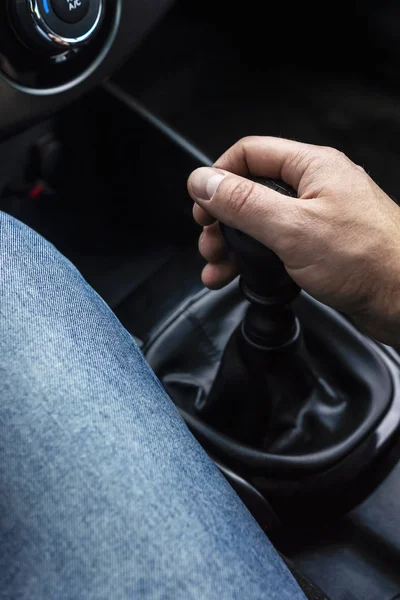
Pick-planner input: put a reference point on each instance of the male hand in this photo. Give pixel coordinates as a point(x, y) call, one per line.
point(340, 240)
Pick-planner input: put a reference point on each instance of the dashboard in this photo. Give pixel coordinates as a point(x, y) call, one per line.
point(52, 51)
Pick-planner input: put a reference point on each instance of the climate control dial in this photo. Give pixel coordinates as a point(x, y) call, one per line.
point(54, 26)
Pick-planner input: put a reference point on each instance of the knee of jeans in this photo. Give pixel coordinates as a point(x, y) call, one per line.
point(46, 306)
point(19, 243)
point(35, 279)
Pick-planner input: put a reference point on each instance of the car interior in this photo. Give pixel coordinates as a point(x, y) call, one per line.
point(106, 106)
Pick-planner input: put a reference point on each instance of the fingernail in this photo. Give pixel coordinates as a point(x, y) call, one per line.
point(205, 182)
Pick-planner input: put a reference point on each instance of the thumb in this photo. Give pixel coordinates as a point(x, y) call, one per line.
point(242, 204)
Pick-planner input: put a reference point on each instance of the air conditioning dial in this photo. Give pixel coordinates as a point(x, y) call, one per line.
point(54, 26)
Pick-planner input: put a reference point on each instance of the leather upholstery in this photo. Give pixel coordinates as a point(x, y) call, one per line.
point(186, 354)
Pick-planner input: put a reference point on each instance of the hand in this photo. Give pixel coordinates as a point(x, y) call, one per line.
point(340, 240)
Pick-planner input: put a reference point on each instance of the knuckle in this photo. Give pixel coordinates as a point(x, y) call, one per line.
point(247, 140)
point(239, 196)
point(201, 242)
point(333, 155)
point(243, 144)
point(361, 169)
point(333, 152)
point(238, 150)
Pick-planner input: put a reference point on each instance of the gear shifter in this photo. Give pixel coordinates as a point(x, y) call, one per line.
point(280, 389)
point(303, 430)
point(266, 377)
point(266, 284)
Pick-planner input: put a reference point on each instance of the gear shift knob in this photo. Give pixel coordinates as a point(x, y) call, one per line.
point(263, 274)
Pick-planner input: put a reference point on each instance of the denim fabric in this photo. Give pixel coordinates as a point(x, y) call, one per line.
point(104, 493)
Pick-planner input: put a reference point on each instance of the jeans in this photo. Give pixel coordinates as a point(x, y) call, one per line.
point(104, 493)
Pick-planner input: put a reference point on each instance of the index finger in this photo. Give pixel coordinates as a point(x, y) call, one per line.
point(201, 216)
point(269, 157)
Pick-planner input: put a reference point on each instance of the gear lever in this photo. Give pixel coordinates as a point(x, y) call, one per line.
point(265, 283)
point(298, 420)
point(264, 377)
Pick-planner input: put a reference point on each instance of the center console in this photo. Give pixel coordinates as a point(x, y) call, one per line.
point(280, 389)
